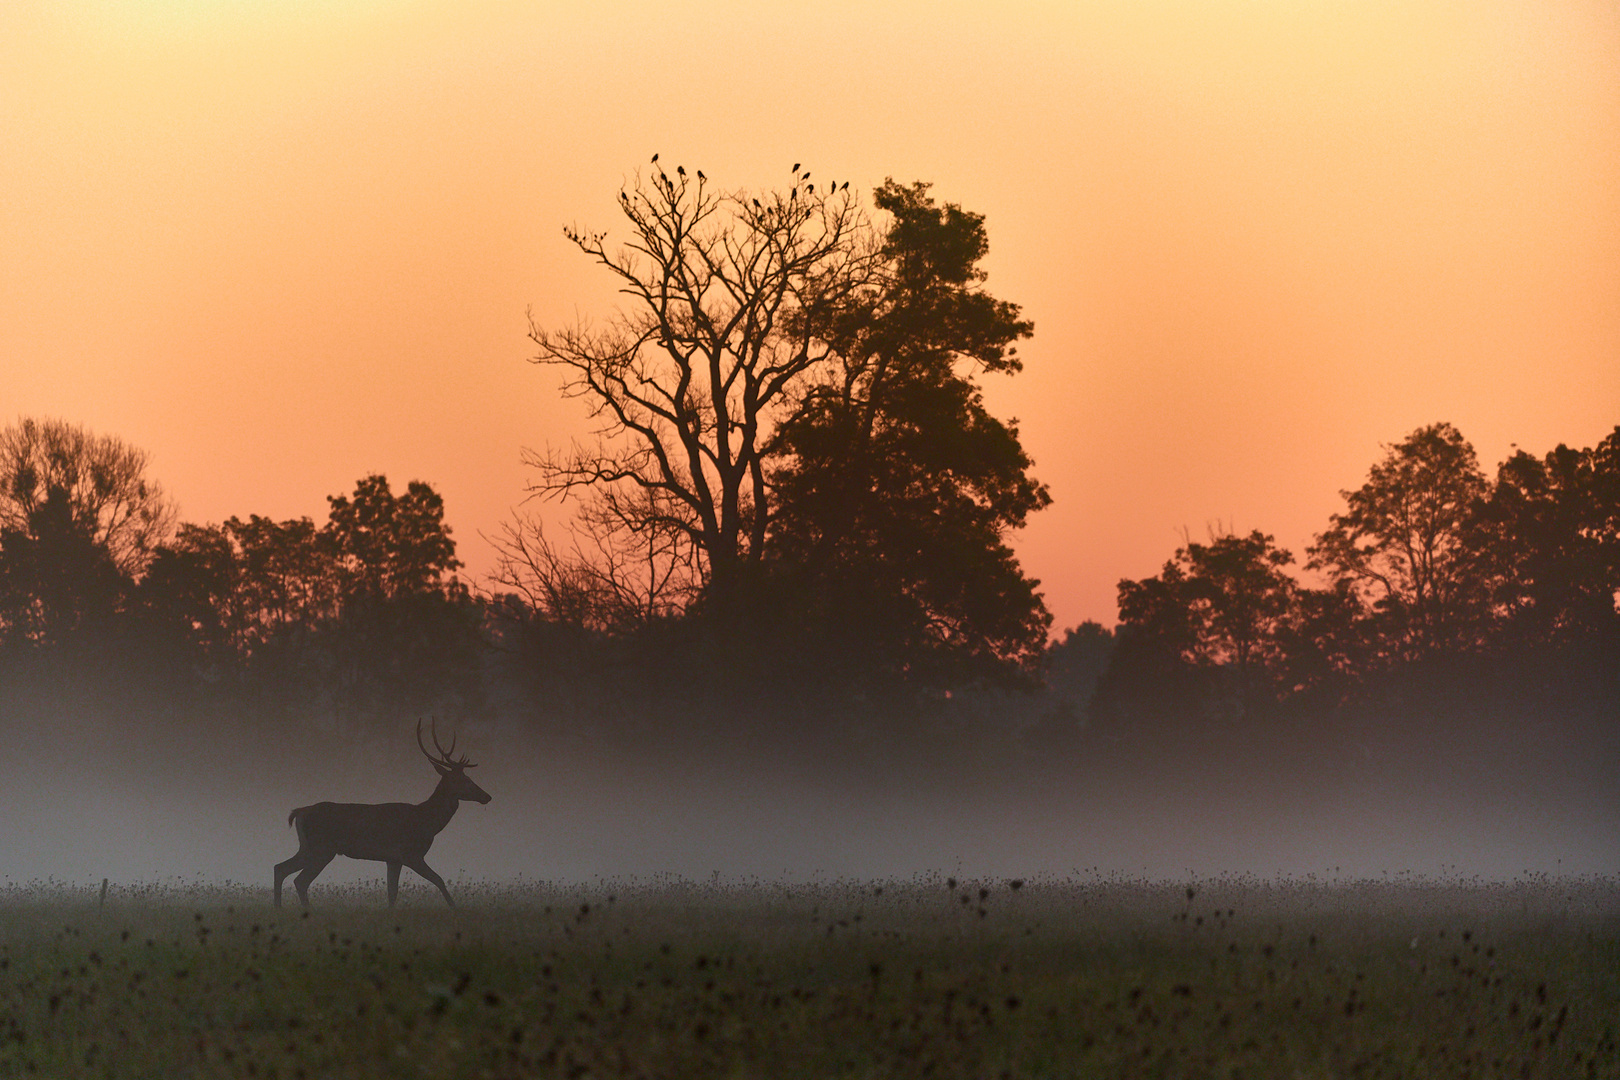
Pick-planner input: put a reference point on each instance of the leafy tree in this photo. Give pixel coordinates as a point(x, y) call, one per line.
point(1152, 676)
point(1077, 660)
point(1205, 635)
point(250, 606)
point(1402, 546)
point(250, 590)
point(363, 614)
point(390, 546)
point(191, 590)
point(100, 480)
point(1323, 648)
point(285, 582)
point(1241, 598)
point(405, 635)
point(1548, 535)
point(57, 577)
point(78, 520)
point(1074, 665)
point(895, 488)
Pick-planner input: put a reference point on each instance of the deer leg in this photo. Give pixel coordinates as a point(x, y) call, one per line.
point(421, 867)
point(393, 883)
point(312, 868)
point(283, 869)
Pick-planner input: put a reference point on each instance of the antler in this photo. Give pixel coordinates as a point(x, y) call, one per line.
point(444, 755)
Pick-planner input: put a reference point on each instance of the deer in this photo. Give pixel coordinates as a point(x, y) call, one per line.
point(398, 834)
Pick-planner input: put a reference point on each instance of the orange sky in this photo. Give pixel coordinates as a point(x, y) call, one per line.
point(284, 245)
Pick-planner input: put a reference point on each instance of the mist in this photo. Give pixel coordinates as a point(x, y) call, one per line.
point(161, 795)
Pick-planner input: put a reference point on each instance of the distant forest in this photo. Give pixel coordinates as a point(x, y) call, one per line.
point(793, 536)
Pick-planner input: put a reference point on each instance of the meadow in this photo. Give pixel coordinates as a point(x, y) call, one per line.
point(926, 977)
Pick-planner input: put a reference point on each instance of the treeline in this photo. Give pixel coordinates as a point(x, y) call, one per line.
point(347, 629)
point(1441, 596)
point(278, 624)
point(1447, 604)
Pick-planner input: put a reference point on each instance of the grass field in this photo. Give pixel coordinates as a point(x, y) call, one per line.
point(925, 977)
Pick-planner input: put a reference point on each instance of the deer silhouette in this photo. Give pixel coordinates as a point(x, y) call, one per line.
point(398, 834)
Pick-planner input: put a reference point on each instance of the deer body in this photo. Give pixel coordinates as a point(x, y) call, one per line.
point(398, 834)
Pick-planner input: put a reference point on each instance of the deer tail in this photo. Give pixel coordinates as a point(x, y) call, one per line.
point(292, 817)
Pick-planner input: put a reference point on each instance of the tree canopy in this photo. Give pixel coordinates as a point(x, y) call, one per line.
point(363, 614)
point(99, 481)
point(1216, 608)
point(79, 519)
point(1439, 584)
point(896, 488)
point(1401, 542)
point(790, 406)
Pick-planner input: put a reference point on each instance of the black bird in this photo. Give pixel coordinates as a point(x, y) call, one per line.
point(655, 159)
point(811, 188)
point(795, 166)
point(681, 169)
point(845, 187)
point(756, 204)
point(701, 176)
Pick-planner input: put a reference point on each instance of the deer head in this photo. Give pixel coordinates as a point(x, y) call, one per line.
point(452, 772)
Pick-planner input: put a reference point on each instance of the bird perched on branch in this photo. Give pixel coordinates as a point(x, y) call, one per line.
point(681, 169)
point(701, 176)
point(655, 159)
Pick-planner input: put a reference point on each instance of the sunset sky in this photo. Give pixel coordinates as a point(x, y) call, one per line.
point(281, 245)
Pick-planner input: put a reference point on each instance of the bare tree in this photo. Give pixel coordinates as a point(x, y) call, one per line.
point(102, 478)
point(731, 298)
point(604, 577)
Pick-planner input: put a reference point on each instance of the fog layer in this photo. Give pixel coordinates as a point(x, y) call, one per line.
point(139, 799)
